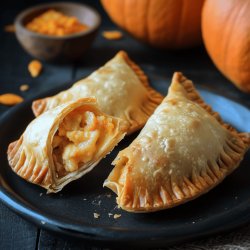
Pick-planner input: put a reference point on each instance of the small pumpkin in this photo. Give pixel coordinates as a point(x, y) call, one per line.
point(161, 23)
point(226, 34)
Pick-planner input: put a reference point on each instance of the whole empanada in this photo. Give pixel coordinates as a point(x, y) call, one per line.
point(184, 150)
point(121, 88)
point(64, 143)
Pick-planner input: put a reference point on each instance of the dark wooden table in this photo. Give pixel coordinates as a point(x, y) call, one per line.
point(17, 233)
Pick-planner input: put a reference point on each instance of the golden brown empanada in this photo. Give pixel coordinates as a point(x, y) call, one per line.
point(64, 143)
point(184, 150)
point(121, 89)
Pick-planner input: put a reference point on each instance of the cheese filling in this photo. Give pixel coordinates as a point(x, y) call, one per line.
point(78, 138)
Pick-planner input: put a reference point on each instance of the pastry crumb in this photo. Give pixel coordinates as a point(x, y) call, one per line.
point(10, 28)
point(108, 195)
point(110, 214)
point(112, 34)
point(193, 222)
point(24, 87)
point(41, 194)
point(116, 216)
point(84, 199)
point(96, 215)
point(35, 68)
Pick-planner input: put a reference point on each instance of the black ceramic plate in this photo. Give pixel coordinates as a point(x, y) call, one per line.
point(71, 211)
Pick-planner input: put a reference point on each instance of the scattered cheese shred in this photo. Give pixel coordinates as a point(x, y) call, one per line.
point(35, 68)
point(112, 35)
point(24, 87)
point(10, 99)
point(116, 216)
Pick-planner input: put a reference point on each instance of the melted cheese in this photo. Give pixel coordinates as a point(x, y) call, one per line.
point(77, 139)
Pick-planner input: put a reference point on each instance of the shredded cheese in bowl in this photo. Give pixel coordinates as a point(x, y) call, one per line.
point(55, 23)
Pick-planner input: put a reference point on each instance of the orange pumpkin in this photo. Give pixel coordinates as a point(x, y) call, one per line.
point(226, 34)
point(161, 23)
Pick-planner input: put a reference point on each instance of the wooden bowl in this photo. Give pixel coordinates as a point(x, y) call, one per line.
point(58, 48)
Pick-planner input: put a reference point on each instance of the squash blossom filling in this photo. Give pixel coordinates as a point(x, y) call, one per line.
point(78, 137)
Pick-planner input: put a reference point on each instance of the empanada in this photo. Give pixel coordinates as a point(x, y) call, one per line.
point(184, 150)
point(121, 88)
point(64, 143)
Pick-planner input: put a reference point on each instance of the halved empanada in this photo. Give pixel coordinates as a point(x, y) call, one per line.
point(64, 143)
point(121, 89)
point(184, 150)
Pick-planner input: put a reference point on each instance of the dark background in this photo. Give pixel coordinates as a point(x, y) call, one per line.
point(15, 232)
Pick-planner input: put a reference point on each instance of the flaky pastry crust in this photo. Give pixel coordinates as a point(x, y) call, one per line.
point(38, 155)
point(184, 150)
point(121, 88)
